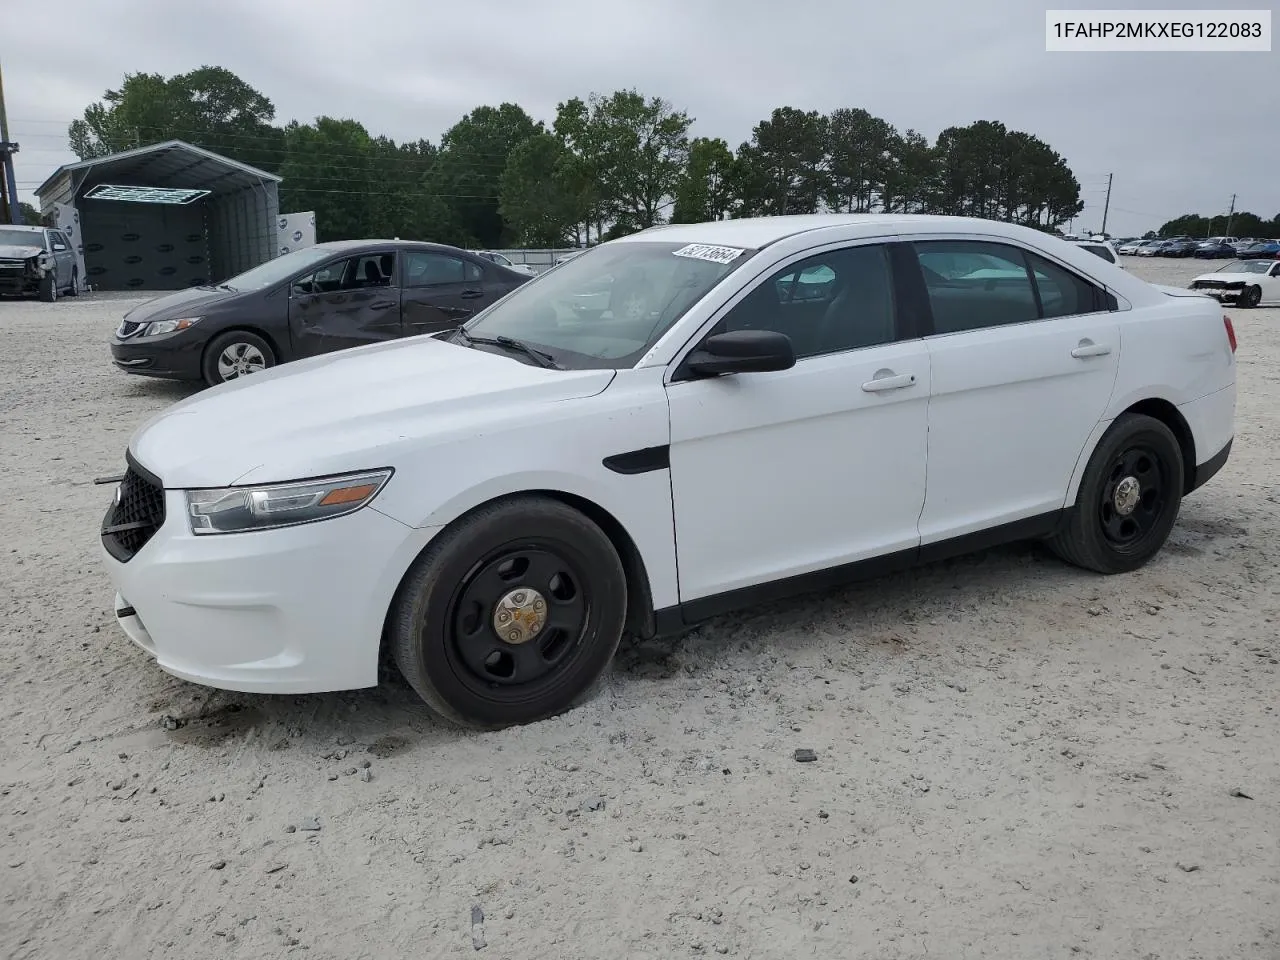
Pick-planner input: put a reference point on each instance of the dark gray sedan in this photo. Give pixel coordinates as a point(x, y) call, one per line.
point(316, 300)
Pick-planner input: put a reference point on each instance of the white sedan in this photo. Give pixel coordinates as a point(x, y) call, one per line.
point(761, 407)
point(1245, 283)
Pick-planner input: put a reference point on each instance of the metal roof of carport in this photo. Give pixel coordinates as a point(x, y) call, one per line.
point(173, 163)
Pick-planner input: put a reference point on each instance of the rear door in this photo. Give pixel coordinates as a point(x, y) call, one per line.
point(1023, 357)
point(443, 290)
point(63, 255)
point(346, 303)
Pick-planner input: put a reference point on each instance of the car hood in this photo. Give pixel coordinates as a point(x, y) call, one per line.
point(11, 251)
point(179, 304)
point(350, 410)
point(1229, 277)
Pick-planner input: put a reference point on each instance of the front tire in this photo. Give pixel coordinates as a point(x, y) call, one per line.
point(236, 354)
point(1250, 296)
point(48, 288)
point(1128, 499)
point(74, 289)
point(512, 616)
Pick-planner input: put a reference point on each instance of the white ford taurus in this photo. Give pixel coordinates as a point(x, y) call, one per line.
point(760, 407)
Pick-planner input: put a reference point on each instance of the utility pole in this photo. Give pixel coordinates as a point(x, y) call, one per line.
point(1106, 206)
point(11, 212)
point(1231, 213)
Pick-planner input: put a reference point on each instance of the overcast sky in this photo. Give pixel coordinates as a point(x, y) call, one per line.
point(1181, 132)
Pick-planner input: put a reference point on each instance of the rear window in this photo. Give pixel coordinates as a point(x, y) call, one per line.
point(1098, 250)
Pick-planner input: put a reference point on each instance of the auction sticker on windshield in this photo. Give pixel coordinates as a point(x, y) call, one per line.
point(707, 251)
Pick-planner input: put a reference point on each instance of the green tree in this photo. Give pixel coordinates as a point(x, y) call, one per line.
point(643, 151)
point(586, 147)
point(468, 173)
point(542, 199)
point(784, 167)
point(327, 169)
point(708, 188)
point(210, 107)
point(859, 149)
point(910, 184)
point(30, 215)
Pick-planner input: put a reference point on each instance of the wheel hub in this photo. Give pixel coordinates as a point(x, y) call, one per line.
point(1128, 494)
point(520, 615)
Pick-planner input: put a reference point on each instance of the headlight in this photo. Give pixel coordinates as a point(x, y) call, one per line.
point(157, 327)
point(238, 509)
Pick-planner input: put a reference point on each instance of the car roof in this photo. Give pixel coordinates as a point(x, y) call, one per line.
point(756, 232)
point(355, 246)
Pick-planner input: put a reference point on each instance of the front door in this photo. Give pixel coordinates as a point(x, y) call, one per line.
point(64, 255)
point(1024, 356)
point(442, 291)
point(780, 474)
point(345, 303)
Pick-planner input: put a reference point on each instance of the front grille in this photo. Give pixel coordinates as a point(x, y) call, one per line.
point(127, 329)
point(135, 515)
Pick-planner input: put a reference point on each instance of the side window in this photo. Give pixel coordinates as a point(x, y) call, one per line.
point(973, 284)
point(370, 270)
point(433, 269)
point(325, 280)
point(59, 242)
point(1063, 293)
point(827, 303)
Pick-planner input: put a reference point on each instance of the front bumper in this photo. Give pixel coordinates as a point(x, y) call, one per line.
point(160, 357)
point(1221, 294)
point(295, 610)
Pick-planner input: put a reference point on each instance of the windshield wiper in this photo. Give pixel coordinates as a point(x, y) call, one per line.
point(540, 357)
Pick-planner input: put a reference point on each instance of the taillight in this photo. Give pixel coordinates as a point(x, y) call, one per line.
point(1231, 332)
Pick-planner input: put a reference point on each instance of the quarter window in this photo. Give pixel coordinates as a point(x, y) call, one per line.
point(435, 269)
point(973, 285)
point(827, 303)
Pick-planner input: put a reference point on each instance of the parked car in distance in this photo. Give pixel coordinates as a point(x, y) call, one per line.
point(1151, 248)
point(504, 261)
point(39, 261)
point(1263, 249)
point(1214, 250)
point(1244, 283)
point(1130, 247)
point(502, 502)
point(322, 298)
point(1178, 247)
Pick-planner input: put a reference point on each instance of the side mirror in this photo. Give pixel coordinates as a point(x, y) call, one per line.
point(743, 351)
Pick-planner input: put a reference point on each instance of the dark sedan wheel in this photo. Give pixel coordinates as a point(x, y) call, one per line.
point(1250, 296)
point(511, 616)
point(236, 354)
point(1128, 499)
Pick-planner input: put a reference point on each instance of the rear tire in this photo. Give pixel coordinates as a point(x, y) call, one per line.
point(1128, 500)
point(235, 354)
point(533, 568)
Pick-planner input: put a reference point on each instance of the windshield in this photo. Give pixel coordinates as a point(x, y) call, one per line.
point(21, 238)
point(606, 307)
point(1245, 266)
point(280, 269)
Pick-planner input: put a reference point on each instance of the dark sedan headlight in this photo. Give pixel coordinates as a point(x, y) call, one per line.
point(158, 328)
point(240, 509)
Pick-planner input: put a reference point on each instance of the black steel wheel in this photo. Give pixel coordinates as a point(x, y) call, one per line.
point(1128, 500)
point(512, 615)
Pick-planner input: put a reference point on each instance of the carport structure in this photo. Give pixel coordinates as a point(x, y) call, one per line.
point(164, 217)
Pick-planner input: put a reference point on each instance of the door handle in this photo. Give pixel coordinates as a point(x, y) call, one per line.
point(1087, 348)
point(471, 294)
point(888, 380)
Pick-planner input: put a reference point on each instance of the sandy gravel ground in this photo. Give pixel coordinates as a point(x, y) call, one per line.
point(1015, 759)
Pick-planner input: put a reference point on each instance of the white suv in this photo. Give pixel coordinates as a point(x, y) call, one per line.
point(761, 407)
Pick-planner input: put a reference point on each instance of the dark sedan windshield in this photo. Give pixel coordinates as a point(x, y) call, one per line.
point(608, 306)
point(278, 270)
